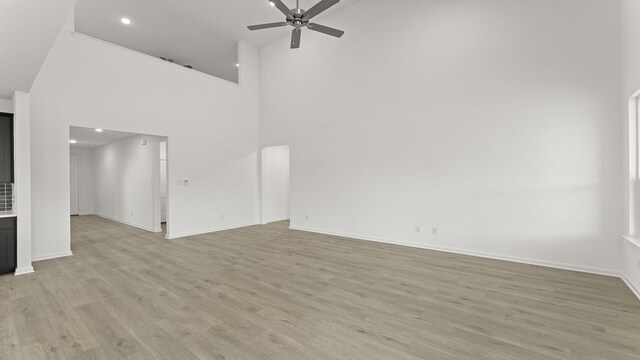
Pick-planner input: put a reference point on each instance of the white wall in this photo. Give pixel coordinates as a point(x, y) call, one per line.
point(275, 183)
point(127, 181)
point(493, 121)
point(630, 12)
point(22, 179)
point(6, 106)
point(212, 127)
point(86, 180)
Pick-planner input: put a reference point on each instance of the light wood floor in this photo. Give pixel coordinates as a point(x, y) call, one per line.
point(266, 292)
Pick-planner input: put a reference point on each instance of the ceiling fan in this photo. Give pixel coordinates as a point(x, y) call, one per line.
point(299, 18)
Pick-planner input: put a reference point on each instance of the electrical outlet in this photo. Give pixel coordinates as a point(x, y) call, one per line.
point(418, 229)
point(306, 217)
point(221, 216)
point(434, 231)
point(132, 213)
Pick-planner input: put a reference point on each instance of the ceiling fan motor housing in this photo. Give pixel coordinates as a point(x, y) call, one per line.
point(296, 18)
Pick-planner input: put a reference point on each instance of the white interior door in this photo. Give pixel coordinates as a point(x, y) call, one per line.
point(75, 185)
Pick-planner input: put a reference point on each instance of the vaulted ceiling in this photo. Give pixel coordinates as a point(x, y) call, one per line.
point(28, 28)
point(200, 33)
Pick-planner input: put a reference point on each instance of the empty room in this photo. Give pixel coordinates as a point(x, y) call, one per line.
point(320, 179)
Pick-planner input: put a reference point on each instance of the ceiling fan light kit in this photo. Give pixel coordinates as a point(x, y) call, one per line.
point(299, 18)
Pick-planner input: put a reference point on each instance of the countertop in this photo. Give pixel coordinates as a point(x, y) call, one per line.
point(7, 214)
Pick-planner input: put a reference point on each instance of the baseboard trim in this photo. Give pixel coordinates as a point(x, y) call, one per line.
point(51, 256)
point(212, 230)
point(631, 286)
point(563, 266)
point(23, 271)
point(142, 227)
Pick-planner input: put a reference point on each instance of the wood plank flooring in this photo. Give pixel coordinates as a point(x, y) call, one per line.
point(267, 292)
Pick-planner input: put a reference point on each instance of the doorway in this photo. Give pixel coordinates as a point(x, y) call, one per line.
point(275, 183)
point(119, 176)
point(633, 185)
point(163, 183)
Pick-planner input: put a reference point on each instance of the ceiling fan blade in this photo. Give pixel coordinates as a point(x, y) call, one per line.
point(318, 8)
point(282, 7)
point(267, 26)
point(295, 38)
point(326, 30)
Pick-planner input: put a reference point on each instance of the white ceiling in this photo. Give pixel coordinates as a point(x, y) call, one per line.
point(201, 33)
point(89, 138)
point(28, 28)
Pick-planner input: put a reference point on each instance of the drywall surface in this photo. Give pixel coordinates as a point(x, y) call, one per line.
point(630, 50)
point(127, 181)
point(275, 183)
point(630, 85)
point(86, 180)
point(491, 123)
point(6, 106)
point(28, 30)
point(212, 127)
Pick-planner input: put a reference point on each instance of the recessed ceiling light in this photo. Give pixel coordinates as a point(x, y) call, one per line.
point(72, 141)
point(272, 3)
point(126, 21)
point(99, 130)
point(238, 65)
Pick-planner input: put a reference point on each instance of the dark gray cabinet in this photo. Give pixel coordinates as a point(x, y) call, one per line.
point(6, 148)
point(7, 245)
